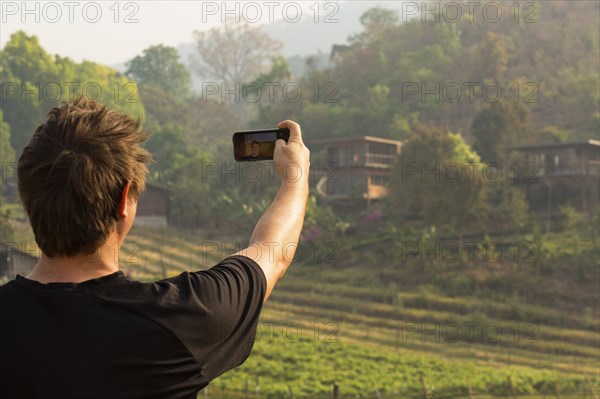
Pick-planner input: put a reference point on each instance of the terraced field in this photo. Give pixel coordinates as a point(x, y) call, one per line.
point(378, 342)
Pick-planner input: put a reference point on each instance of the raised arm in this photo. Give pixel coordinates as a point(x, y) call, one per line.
point(275, 237)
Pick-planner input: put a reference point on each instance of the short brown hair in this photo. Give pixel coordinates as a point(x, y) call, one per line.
point(72, 172)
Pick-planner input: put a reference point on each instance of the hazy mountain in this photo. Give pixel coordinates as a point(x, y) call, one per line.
point(306, 37)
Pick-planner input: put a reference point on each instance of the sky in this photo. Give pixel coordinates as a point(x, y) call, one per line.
point(112, 32)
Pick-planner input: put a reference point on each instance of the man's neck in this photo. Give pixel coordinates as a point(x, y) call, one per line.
point(75, 269)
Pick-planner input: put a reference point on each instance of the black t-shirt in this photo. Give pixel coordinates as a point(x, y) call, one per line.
point(113, 338)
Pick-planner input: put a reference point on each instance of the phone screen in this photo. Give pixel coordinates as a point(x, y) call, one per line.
point(257, 145)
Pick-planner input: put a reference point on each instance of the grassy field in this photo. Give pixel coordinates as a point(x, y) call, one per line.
point(341, 324)
point(326, 324)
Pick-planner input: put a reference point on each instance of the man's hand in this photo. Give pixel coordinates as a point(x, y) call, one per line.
point(292, 159)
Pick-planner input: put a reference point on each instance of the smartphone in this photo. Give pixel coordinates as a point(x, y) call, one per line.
point(257, 145)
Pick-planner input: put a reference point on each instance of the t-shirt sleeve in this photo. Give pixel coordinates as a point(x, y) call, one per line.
point(228, 298)
point(230, 295)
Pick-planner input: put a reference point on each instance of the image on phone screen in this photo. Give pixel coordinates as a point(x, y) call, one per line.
point(257, 145)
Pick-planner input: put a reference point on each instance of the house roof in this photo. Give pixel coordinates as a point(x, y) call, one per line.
point(584, 143)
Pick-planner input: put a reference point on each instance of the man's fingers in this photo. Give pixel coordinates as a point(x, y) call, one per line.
point(295, 133)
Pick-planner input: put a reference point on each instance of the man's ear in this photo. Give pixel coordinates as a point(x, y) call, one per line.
point(123, 203)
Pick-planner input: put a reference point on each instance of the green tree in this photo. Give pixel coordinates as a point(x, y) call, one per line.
point(498, 126)
point(375, 22)
point(7, 153)
point(25, 57)
point(34, 82)
point(551, 134)
point(190, 199)
point(159, 66)
point(439, 178)
point(24, 66)
point(493, 56)
point(165, 143)
point(111, 88)
point(280, 72)
point(509, 210)
point(163, 108)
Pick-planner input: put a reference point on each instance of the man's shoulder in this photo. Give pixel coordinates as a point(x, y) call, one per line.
point(9, 294)
point(8, 289)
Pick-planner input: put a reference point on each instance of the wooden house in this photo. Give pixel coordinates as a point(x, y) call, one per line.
point(357, 168)
point(152, 207)
point(560, 173)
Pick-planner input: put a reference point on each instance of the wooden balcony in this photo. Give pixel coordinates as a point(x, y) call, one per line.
point(363, 167)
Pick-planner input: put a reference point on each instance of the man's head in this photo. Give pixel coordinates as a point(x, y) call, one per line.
point(72, 174)
point(255, 148)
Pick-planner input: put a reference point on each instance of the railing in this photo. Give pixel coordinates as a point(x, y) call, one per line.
point(322, 191)
point(590, 171)
point(380, 160)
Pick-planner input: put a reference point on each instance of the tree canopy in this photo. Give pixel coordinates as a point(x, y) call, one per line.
point(159, 66)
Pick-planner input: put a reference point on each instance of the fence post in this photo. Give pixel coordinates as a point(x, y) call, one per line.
point(470, 389)
point(589, 386)
point(511, 388)
point(291, 392)
point(246, 389)
point(424, 387)
point(336, 391)
point(257, 389)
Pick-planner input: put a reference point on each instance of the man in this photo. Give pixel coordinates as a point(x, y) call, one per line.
point(254, 149)
point(77, 327)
